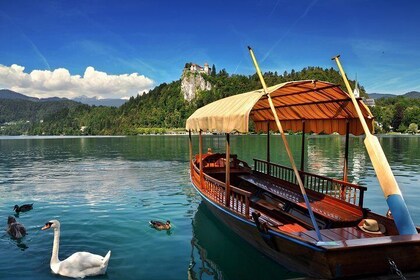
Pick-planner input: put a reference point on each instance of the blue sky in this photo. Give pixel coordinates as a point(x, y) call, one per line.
point(121, 48)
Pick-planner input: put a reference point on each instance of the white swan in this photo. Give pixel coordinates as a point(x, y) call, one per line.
point(78, 265)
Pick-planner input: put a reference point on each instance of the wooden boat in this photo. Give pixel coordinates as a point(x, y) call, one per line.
point(324, 231)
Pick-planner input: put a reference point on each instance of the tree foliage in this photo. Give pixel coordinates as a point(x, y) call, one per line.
point(25, 110)
point(396, 114)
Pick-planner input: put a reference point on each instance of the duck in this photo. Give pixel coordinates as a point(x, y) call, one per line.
point(23, 208)
point(15, 229)
point(79, 264)
point(160, 225)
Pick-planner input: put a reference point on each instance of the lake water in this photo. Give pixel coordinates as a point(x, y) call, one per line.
point(104, 190)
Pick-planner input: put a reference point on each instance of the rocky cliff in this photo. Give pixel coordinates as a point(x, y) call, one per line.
point(192, 83)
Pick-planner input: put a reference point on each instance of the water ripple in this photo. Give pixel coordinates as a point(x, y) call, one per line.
point(104, 191)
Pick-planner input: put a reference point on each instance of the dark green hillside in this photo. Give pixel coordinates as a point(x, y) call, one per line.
point(227, 85)
point(13, 110)
point(164, 107)
point(19, 116)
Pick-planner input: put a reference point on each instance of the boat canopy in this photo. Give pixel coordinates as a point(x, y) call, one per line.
point(323, 107)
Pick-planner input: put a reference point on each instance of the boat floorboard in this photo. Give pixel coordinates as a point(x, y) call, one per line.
point(336, 234)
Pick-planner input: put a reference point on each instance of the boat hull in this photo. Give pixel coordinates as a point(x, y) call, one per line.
point(319, 261)
point(291, 255)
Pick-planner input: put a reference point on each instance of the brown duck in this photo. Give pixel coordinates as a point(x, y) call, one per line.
point(15, 229)
point(160, 225)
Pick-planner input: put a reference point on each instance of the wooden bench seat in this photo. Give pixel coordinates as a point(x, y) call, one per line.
point(322, 205)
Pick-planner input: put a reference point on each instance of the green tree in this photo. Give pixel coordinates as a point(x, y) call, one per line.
point(412, 128)
point(213, 71)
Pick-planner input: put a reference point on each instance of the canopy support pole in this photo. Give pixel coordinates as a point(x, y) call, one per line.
point(346, 153)
point(200, 154)
point(389, 185)
point(302, 155)
point(227, 163)
point(268, 149)
point(286, 145)
point(190, 150)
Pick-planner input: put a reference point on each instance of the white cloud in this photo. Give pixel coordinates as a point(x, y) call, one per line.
point(60, 83)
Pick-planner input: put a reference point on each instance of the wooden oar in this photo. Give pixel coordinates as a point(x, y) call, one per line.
point(286, 145)
point(383, 171)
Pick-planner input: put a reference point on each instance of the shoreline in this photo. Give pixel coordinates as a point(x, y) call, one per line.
point(16, 137)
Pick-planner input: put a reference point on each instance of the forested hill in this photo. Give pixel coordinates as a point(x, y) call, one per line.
point(162, 108)
point(17, 110)
point(165, 106)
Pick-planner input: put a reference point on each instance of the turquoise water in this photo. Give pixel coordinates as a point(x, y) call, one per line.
point(104, 190)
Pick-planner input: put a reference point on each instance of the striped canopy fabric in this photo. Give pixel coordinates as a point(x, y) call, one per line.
point(320, 107)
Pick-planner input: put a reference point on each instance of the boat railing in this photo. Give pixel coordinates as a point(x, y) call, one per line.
point(338, 189)
point(239, 201)
point(216, 190)
point(219, 160)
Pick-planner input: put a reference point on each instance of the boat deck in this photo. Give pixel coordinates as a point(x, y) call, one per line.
point(331, 234)
point(336, 234)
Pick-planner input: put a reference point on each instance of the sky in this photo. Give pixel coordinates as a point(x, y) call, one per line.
point(118, 49)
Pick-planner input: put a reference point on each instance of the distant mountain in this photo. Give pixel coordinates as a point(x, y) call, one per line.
point(411, 94)
point(92, 101)
point(100, 102)
point(380, 95)
point(9, 94)
point(16, 107)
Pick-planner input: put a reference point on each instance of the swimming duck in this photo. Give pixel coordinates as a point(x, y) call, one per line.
point(78, 265)
point(15, 229)
point(160, 225)
point(23, 208)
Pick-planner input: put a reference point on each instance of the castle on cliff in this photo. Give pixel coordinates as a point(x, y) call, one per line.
point(191, 83)
point(195, 68)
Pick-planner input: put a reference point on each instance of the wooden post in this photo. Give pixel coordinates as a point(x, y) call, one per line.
point(190, 151)
point(302, 155)
point(227, 163)
point(200, 155)
point(268, 149)
point(346, 153)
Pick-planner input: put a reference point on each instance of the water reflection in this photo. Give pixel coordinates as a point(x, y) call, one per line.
point(21, 245)
point(201, 266)
point(330, 161)
point(19, 242)
point(357, 164)
point(25, 150)
point(218, 253)
point(205, 267)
